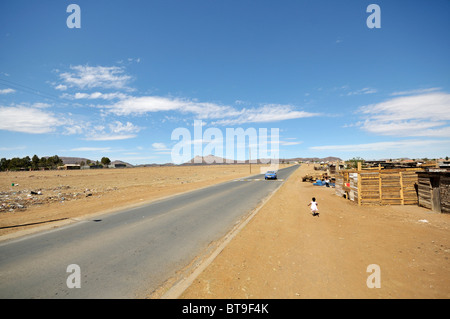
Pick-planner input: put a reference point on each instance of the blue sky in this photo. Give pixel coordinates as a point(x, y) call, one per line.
point(137, 70)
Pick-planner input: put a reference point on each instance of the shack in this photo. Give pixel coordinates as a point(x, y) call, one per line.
point(71, 166)
point(434, 190)
point(379, 186)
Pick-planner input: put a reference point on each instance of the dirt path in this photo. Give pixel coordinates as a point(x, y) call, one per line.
point(285, 252)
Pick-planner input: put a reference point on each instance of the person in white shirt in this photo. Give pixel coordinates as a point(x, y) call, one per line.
point(314, 209)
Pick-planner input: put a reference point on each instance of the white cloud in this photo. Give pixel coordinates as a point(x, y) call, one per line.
point(418, 115)
point(225, 115)
point(363, 91)
point(418, 91)
point(160, 146)
point(150, 104)
point(91, 149)
point(285, 143)
point(61, 87)
point(40, 105)
point(110, 137)
point(118, 128)
point(161, 149)
point(380, 146)
point(96, 95)
point(7, 91)
point(266, 113)
point(88, 77)
point(28, 120)
point(14, 148)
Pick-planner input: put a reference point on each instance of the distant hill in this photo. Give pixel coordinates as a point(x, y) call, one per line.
point(313, 159)
point(78, 160)
point(74, 160)
point(211, 159)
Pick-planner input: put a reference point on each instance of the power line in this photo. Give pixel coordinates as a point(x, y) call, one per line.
point(27, 89)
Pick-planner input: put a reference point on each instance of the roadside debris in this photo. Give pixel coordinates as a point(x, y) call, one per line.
point(19, 200)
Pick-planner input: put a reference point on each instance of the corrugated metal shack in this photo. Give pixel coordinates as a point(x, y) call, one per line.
point(434, 190)
point(379, 186)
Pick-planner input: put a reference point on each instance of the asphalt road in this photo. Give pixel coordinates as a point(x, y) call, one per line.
point(124, 254)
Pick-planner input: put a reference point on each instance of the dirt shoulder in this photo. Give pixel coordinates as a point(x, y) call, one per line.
point(285, 252)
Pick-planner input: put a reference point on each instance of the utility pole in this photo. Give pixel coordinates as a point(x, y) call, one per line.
point(250, 157)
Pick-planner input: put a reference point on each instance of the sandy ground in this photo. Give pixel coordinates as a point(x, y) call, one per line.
point(69, 195)
point(284, 252)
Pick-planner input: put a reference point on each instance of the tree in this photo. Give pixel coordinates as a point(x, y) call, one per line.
point(15, 163)
point(105, 161)
point(42, 162)
point(54, 161)
point(354, 162)
point(26, 162)
point(4, 164)
point(35, 162)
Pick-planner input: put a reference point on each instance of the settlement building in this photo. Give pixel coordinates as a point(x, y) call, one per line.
point(434, 190)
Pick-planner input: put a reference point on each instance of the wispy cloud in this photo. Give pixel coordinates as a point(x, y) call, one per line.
point(61, 87)
point(366, 90)
point(91, 149)
point(222, 114)
point(7, 91)
point(408, 145)
point(95, 95)
point(290, 143)
point(151, 104)
point(160, 147)
point(117, 131)
point(410, 116)
point(110, 137)
point(266, 113)
point(118, 128)
point(114, 131)
point(88, 77)
point(417, 91)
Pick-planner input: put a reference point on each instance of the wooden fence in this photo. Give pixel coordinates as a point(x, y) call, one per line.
point(379, 187)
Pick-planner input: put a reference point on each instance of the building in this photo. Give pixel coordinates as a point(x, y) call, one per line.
point(434, 190)
point(71, 166)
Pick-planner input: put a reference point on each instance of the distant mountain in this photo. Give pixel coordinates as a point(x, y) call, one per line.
point(312, 159)
point(74, 160)
point(211, 159)
point(154, 165)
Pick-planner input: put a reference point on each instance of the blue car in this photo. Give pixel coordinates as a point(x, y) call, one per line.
point(271, 175)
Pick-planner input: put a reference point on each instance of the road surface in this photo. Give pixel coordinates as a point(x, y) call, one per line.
point(128, 253)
